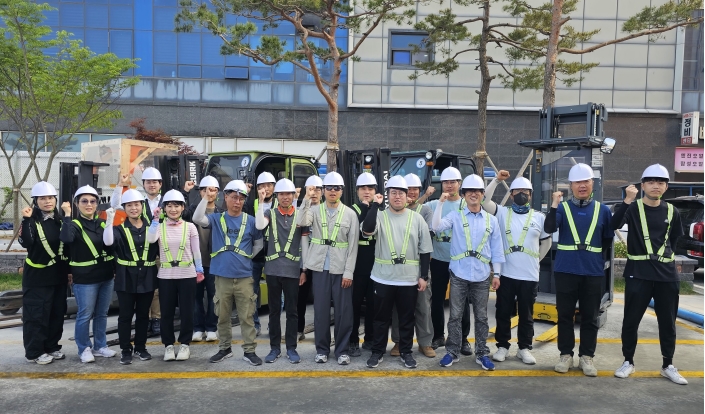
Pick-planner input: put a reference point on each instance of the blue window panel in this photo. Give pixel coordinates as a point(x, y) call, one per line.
point(213, 72)
point(164, 18)
point(236, 73)
point(210, 50)
point(283, 93)
point(261, 73)
point(165, 71)
point(344, 71)
point(122, 1)
point(303, 76)
point(401, 57)
point(71, 15)
point(342, 43)
point(173, 3)
point(260, 92)
point(230, 19)
point(97, 1)
point(164, 47)
point(406, 41)
point(104, 137)
point(77, 34)
point(52, 18)
point(309, 95)
point(121, 17)
point(121, 43)
point(237, 60)
point(284, 28)
point(97, 16)
point(290, 42)
point(256, 41)
point(284, 72)
point(143, 15)
point(97, 41)
point(189, 48)
point(74, 143)
point(190, 72)
point(143, 51)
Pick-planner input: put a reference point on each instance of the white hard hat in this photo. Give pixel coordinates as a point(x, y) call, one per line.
point(43, 188)
point(413, 180)
point(173, 195)
point(236, 185)
point(580, 172)
point(473, 181)
point(284, 186)
point(333, 178)
point(652, 171)
point(366, 179)
point(265, 177)
point(151, 173)
point(521, 183)
point(209, 181)
point(86, 189)
point(397, 182)
point(314, 181)
point(130, 196)
point(451, 173)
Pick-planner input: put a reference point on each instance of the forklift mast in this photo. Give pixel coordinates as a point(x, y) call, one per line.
point(74, 175)
point(177, 169)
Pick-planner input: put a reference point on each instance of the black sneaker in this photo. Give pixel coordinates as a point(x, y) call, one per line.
point(367, 345)
point(126, 358)
point(408, 360)
point(437, 343)
point(354, 350)
point(374, 360)
point(252, 358)
point(466, 349)
point(143, 355)
point(221, 355)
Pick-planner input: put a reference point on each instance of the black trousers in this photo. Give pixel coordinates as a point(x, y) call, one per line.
point(290, 286)
point(587, 290)
point(637, 295)
point(511, 293)
point(386, 297)
point(363, 291)
point(304, 292)
point(440, 274)
point(132, 304)
point(43, 310)
point(171, 292)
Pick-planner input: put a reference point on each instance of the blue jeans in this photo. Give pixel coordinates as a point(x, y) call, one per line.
point(204, 320)
point(257, 269)
point(93, 301)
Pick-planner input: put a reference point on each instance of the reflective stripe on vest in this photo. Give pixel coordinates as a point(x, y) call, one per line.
point(136, 260)
point(445, 236)
point(47, 248)
point(576, 237)
point(647, 239)
point(397, 259)
point(103, 255)
point(170, 262)
point(370, 238)
point(278, 251)
point(476, 253)
point(235, 247)
point(510, 241)
point(324, 230)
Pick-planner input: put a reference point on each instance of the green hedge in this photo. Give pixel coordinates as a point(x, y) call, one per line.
point(10, 281)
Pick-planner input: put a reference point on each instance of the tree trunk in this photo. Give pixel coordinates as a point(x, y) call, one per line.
point(549, 76)
point(486, 79)
point(332, 163)
point(16, 207)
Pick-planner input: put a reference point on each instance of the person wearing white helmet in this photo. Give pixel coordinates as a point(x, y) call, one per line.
point(476, 243)
point(401, 260)
point(283, 270)
point(235, 240)
point(44, 277)
point(440, 262)
point(314, 189)
point(135, 274)
point(584, 227)
point(525, 244)
point(331, 256)
point(93, 271)
point(654, 228)
point(180, 270)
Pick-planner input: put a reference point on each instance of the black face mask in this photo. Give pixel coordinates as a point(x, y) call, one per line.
point(521, 199)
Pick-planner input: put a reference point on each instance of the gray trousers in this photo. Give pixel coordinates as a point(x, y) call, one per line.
point(477, 293)
point(422, 316)
point(326, 286)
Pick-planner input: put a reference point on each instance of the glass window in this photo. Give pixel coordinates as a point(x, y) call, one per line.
point(191, 72)
point(121, 17)
point(189, 48)
point(213, 72)
point(121, 1)
point(74, 142)
point(143, 15)
point(52, 18)
point(97, 40)
point(401, 57)
point(261, 73)
point(166, 3)
point(210, 50)
point(165, 71)
point(71, 15)
point(284, 28)
point(97, 16)
point(401, 49)
point(143, 52)
point(303, 76)
point(12, 140)
point(237, 60)
point(76, 33)
point(236, 73)
point(97, 1)
point(283, 93)
point(103, 137)
point(164, 18)
point(164, 47)
point(121, 43)
point(284, 71)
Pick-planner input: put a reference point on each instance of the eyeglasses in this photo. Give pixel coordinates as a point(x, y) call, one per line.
point(87, 201)
point(334, 188)
point(396, 193)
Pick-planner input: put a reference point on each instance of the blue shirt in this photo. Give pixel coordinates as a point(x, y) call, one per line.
point(582, 262)
point(441, 250)
point(230, 264)
point(471, 268)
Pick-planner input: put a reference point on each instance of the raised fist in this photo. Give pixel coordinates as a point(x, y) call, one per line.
point(262, 193)
point(188, 186)
point(125, 180)
point(66, 208)
point(379, 199)
point(298, 192)
point(310, 191)
point(556, 197)
point(632, 192)
point(502, 175)
point(157, 211)
point(444, 197)
point(430, 190)
point(110, 213)
point(27, 212)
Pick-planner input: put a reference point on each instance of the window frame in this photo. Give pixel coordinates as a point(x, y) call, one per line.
point(390, 49)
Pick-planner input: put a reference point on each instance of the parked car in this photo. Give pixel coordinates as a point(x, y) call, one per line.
point(691, 243)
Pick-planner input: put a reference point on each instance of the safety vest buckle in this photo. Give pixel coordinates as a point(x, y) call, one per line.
point(282, 254)
point(331, 243)
point(654, 257)
point(515, 249)
point(399, 260)
point(174, 263)
point(582, 246)
point(230, 248)
point(445, 239)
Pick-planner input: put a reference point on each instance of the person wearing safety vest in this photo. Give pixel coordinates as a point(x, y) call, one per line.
point(282, 267)
point(402, 257)
point(135, 274)
point(331, 256)
point(314, 188)
point(650, 272)
point(180, 269)
point(525, 244)
point(235, 241)
point(93, 272)
point(440, 261)
point(366, 185)
point(584, 227)
point(477, 241)
point(44, 277)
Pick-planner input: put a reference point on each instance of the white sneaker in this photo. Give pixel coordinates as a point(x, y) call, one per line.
point(211, 336)
point(343, 360)
point(43, 359)
point(197, 336)
point(564, 364)
point(169, 353)
point(57, 355)
point(525, 356)
point(501, 354)
point(184, 353)
point(585, 363)
point(672, 373)
point(625, 370)
point(104, 352)
point(87, 355)
point(321, 358)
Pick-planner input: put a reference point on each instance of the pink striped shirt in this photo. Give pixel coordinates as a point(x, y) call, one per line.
point(173, 239)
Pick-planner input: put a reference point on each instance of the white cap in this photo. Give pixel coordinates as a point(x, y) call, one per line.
point(333, 178)
point(130, 196)
point(265, 177)
point(86, 189)
point(314, 181)
point(521, 183)
point(173, 195)
point(413, 180)
point(151, 173)
point(397, 182)
point(365, 179)
point(580, 172)
point(652, 171)
point(236, 185)
point(43, 188)
point(473, 181)
point(451, 173)
point(209, 181)
point(284, 186)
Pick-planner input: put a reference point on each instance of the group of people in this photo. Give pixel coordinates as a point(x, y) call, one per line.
point(400, 259)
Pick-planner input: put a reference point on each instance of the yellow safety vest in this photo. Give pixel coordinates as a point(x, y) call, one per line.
point(136, 260)
point(647, 240)
point(47, 248)
point(103, 255)
point(574, 231)
point(235, 247)
point(510, 241)
point(278, 251)
point(401, 258)
point(476, 253)
point(324, 228)
point(170, 262)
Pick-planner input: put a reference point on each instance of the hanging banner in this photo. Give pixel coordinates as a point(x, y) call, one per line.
point(690, 128)
point(689, 159)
